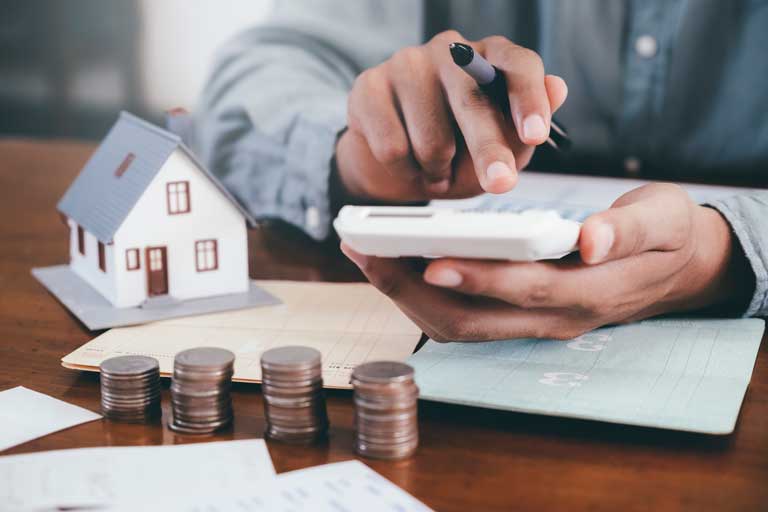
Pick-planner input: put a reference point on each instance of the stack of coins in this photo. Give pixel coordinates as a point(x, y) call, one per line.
point(294, 404)
point(386, 422)
point(130, 389)
point(200, 390)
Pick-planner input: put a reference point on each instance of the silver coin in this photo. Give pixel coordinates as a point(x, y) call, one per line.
point(286, 431)
point(386, 438)
point(131, 389)
point(180, 429)
point(383, 391)
point(291, 357)
point(199, 391)
point(383, 372)
point(387, 428)
point(292, 393)
point(292, 373)
point(129, 365)
point(202, 415)
point(204, 358)
point(312, 381)
point(390, 453)
point(140, 402)
point(384, 408)
point(290, 414)
point(215, 424)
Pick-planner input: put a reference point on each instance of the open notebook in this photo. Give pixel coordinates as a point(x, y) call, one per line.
point(349, 323)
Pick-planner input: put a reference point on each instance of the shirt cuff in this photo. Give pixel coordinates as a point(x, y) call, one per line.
point(740, 225)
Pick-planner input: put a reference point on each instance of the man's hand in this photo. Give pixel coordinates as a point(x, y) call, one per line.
point(420, 128)
point(654, 251)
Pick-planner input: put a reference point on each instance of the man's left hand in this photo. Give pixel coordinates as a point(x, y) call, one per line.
point(654, 251)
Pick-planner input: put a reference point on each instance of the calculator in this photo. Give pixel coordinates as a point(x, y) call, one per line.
point(430, 232)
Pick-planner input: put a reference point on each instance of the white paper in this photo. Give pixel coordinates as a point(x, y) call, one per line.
point(338, 487)
point(106, 476)
point(27, 415)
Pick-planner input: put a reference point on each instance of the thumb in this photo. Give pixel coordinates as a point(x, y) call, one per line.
point(655, 217)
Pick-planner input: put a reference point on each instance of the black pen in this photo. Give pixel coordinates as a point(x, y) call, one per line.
point(492, 83)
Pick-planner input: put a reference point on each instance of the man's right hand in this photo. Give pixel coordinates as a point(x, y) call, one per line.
point(420, 128)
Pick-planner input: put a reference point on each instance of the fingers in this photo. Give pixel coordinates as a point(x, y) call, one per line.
point(426, 115)
point(557, 91)
point(556, 285)
point(380, 123)
point(528, 96)
point(447, 316)
point(527, 285)
point(656, 217)
point(483, 128)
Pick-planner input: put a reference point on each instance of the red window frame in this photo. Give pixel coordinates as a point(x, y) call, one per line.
point(177, 197)
point(206, 255)
point(102, 257)
point(81, 239)
point(137, 261)
point(124, 164)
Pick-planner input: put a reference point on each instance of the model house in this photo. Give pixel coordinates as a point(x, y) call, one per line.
point(149, 223)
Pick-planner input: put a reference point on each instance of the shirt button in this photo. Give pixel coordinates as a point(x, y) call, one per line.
point(632, 166)
point(312, 216)
point(646, 46)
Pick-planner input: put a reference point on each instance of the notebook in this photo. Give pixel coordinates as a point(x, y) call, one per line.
point(680, 374)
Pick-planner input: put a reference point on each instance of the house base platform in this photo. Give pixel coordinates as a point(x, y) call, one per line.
point(96, 312)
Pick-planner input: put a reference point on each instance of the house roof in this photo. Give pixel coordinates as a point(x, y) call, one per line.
point(100, 201)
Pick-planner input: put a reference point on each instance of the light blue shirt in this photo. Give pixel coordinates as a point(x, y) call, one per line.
point(672, 89)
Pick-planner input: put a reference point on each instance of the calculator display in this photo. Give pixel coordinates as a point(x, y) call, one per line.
point(396, 215)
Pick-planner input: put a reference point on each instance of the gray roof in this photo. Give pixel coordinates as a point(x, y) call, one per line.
point(100, 201)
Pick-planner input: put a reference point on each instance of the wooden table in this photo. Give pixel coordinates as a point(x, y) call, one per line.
point(469, 459)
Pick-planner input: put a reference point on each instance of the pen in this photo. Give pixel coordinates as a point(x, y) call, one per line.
point(492, 83)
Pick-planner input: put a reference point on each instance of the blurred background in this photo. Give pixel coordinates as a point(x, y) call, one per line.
point(68, 67)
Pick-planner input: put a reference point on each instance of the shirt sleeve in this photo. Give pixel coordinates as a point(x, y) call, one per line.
point(746, 214)
point(275, 101)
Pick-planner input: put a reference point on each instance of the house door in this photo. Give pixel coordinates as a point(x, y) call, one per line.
point(157, 270)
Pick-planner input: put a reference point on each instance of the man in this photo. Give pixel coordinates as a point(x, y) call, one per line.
point(333, 102)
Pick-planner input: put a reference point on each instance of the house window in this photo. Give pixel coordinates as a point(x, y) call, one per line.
point(178, 197)
point(124, 165)
point(132, 259)
point(206, 255)
point(102, 258)
point(81, 240)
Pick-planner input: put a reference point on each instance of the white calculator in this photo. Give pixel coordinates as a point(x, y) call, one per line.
point(423, 231)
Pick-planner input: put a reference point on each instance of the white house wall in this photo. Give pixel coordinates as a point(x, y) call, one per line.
point(87, 266)
point(211, 216)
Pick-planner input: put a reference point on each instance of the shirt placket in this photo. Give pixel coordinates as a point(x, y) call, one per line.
point(651, 25)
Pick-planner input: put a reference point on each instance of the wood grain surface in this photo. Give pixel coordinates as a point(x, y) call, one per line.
point(469, 459)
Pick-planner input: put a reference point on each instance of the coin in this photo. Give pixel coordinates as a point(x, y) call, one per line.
point(291, 358)
point(294, 403)
point(383, 372)
point(200, 390)
point(386, 410)
point(204, 358)
point(129, 366)
point(130, 388)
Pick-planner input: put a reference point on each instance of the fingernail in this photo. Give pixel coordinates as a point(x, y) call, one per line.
point(603, 237)
point(357, 258)
point(439, 187)
point(443, 277)
point(497, 170)
point(534, 127)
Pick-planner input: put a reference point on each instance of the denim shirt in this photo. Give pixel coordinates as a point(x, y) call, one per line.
point(658, 89)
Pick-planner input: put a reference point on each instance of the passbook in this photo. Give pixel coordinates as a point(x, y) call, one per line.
point(680, 374)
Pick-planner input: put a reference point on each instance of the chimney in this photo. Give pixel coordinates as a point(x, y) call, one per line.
point(179, 121)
